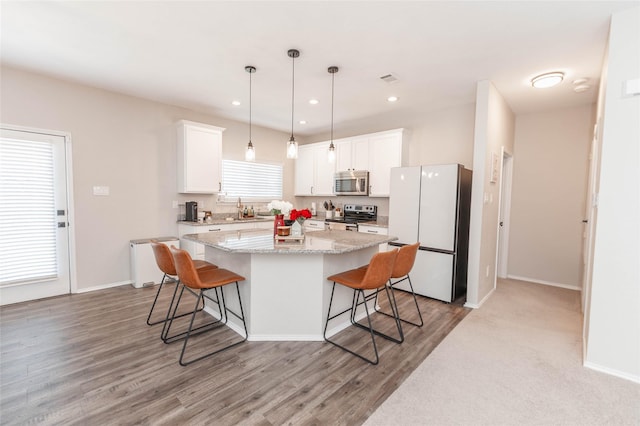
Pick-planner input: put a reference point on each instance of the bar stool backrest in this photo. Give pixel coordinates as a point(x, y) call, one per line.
point(405, 260)
point(164, 259)
point(379, 270)
point(186, 269)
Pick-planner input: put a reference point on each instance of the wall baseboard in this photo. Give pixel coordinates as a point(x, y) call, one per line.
point(612, 372)
point(484, 299)
point(549, 283)
point(103, 286)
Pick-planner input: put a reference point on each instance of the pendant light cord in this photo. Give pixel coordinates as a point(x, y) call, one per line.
point(250, 77)
point(333, 76)
point(293, 88)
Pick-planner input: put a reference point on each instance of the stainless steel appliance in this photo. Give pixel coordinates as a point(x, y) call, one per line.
point(191, 211)
point(431, 204)
point(353, 182)
point(353, 214)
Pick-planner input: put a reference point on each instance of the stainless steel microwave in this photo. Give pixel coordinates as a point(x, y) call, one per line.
point(352, 182)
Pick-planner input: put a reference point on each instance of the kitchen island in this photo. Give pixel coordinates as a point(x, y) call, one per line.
point(286, 292)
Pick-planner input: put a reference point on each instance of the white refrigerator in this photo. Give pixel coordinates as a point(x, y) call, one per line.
point(431, 204)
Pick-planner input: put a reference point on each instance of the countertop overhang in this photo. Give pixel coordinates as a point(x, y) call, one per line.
point(262, 241)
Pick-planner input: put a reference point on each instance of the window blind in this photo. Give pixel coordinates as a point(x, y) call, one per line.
point(27, 212)
point(249, 180)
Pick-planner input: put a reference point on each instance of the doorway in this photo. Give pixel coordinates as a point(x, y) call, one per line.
point(505, 209)
point(35, 239)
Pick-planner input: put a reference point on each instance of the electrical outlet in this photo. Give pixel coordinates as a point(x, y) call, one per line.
point(101, 190)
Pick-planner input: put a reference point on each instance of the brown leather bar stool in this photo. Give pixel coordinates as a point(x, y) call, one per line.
point(403, 265)
point(164, 260)
point(197, 281)
point(374, 277)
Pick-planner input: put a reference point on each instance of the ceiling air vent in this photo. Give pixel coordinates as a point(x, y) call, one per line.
point(389, 78)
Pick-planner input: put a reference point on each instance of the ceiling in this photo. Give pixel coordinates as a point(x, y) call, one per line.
point(193, 53)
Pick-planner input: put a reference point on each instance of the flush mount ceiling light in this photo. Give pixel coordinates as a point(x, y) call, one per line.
point(547, 80)
point(292, 145)
point(250, 153)
point(331, 154)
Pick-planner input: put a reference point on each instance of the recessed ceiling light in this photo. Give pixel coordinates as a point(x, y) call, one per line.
point(302, 121)
point(392, 98)
point(313, 101)
point(235, 103)
point(547, 80)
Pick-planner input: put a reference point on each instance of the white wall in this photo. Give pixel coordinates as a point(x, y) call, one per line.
point(128, 144)
point(494, 132)
point(550, 171)
point(613, 326)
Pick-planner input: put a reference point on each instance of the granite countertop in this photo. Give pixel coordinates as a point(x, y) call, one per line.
point(222, 220)
point(261, 241)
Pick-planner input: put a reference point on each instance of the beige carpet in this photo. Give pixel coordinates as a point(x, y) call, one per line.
point(515, 361)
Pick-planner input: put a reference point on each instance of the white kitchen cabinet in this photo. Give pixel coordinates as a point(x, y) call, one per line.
point(198, 154)
point(375, 230)
point(313, 225)
point(197, 250)
point(352, 154)
point(386, 150)
point(314, 173)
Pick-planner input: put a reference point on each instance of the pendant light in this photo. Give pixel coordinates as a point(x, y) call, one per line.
point(331, 154)
point(292, 145)
point(250, 153)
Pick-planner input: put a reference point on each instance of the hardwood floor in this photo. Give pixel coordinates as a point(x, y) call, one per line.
point(91, 359)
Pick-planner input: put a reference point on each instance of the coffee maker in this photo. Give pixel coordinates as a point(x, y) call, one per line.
point(191, 211)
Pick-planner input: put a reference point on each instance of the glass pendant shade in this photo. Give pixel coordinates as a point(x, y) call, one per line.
point(331, 154)
point(250, 153)
point(292, 148)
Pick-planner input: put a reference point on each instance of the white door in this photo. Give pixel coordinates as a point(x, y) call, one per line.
point(505, 209)
point(34, 235)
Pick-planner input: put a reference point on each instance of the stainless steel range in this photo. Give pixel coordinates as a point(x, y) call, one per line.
point(353, 214)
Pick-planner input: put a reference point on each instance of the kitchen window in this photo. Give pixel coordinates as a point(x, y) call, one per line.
point(252, 181)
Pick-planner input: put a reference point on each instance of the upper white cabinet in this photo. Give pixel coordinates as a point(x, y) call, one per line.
point(199, 154)
point(385, 152)
point(352, 154)
point(375, 152)
point(314, 173)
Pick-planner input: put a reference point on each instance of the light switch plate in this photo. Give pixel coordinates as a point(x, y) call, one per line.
point(101, 190)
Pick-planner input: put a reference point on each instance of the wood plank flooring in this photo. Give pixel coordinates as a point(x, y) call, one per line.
point(90, 359)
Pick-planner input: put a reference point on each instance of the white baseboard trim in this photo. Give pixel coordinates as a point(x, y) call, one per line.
point(285, 338)
point(549, 283)
point(612, 372)
point(235, 327)
point(103, 286)
point(477, 305)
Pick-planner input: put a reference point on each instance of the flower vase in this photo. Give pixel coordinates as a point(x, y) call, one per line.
point(296, 228)
point(278, 221)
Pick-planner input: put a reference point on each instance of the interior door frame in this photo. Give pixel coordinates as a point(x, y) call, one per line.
point(73, 284)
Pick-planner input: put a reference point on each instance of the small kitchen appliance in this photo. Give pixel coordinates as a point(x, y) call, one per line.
point(352, 215)
point(352, 182)
point(191, 211)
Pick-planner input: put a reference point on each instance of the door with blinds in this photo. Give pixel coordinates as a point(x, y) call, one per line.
point(34, 233)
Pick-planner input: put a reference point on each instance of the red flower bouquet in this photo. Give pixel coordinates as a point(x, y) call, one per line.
point(299, 215)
